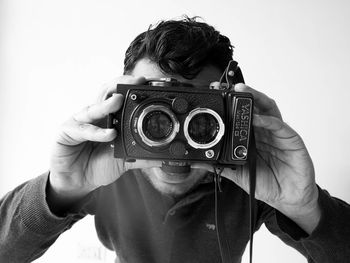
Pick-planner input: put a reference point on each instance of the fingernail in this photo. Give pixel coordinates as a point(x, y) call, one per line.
point(239, 87)
point(115, 95)
point(109, 130)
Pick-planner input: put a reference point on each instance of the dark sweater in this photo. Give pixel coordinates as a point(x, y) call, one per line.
point(142, 225)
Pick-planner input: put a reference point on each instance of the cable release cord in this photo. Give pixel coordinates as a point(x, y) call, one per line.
point(219, 213)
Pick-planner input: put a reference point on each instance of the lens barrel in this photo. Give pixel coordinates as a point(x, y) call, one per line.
point(203, 128)
point(157, 125)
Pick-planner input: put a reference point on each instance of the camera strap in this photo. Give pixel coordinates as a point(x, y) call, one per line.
point(220, 211)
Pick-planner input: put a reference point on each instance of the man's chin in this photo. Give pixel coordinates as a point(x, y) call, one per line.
point(171, 177)
point(174, 178)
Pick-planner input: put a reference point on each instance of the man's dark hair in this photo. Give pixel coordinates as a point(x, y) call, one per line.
point(181, 47)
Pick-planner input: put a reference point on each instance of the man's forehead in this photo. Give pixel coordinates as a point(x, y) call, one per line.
point(148, 69)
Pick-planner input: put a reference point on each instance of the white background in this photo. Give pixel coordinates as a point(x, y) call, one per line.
point(55, 55)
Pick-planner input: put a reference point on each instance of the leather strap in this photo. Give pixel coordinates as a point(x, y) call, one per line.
point(252, 184)
point(224, 245)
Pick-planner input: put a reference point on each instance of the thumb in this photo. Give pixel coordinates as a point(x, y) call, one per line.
point(139, 164)
point(204, 166)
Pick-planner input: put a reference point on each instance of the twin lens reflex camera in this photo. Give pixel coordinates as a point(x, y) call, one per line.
point(168, 120)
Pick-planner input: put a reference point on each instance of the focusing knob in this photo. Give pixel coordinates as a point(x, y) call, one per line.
point(180, 105)
point(240, 152)
point(177, 149)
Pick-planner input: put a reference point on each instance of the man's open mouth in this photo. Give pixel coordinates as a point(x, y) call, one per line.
point(176, 167)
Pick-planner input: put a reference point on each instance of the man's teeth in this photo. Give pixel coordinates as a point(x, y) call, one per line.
point(177, 163)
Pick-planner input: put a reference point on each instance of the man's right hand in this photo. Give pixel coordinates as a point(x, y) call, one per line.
point(82, 159)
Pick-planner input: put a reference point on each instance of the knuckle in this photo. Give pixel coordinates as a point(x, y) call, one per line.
point(129, 79)
point(273, 103)
point(102, 96)
point(64, 137)
point(67, 125)
point(88, 109)
point(240, 86)
point(108, 92)
point(82, 126)
point(126, 79)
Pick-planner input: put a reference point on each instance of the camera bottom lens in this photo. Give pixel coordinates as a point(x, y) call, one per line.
point(157, 125)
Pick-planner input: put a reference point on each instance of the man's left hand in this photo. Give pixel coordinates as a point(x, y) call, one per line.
point(285, 177)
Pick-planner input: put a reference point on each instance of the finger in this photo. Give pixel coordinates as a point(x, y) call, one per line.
point(74, 133)
point(139, 164)
point(275, 125)
point(263, 103)
point(215, 85)
point(281, 136)
point(205, 166)
point(111, 87)
point(100, 110)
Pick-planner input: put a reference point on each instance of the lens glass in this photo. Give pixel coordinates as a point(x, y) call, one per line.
point(157, 125)
point(203, 128)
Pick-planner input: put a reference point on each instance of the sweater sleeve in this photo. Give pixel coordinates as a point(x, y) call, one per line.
point(28, 227)
point(328, 243)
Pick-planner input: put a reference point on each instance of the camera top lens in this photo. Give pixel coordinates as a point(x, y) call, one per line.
point(203, 128)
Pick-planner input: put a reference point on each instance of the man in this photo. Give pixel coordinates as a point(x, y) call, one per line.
point(147, 214)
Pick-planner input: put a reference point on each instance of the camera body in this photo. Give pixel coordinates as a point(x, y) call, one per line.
point(172, 121)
